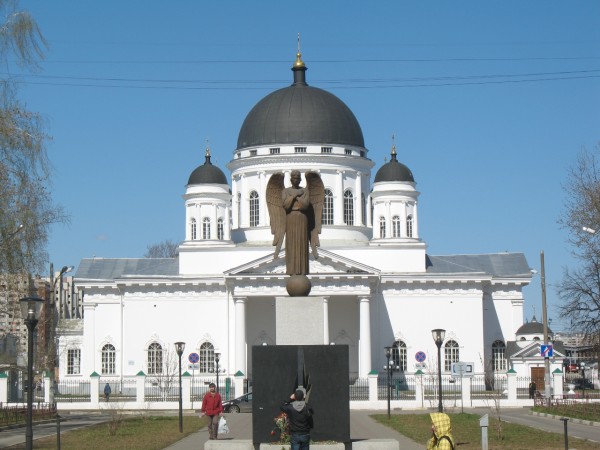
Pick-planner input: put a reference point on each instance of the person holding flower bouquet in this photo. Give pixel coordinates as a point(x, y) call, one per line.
point(300, 417)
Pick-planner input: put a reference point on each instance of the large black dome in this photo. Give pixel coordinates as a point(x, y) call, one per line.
point(207, 173)
point(300, 114)
point(394, 171)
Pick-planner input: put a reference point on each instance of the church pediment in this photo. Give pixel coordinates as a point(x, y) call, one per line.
point(328, 263)
point(533, 350)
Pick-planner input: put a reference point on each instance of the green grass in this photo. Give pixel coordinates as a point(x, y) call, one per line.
point(467, 434)
point(585, 411)
point(139, 433)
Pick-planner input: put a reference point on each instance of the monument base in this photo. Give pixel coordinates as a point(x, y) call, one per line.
point(299, 321)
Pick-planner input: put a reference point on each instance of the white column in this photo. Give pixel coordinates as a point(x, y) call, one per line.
point(388, 219)
point(240, 334)
point(359, 205)
point(244, 209)
point(234, 202)
point(365, 337)
point(415, 222)
point(88, 360)
point(213, 225)
point(403, 232)
point(227, 224)
point(338, 199)
point(326, 321)
point(262, 199)
point(369, 218)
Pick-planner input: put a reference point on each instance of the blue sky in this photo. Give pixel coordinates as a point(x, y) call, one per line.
point(490, 103)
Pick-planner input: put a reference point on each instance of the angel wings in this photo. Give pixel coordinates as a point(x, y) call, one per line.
point(296, 214)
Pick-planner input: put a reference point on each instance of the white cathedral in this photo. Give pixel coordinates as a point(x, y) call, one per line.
point(377, 283)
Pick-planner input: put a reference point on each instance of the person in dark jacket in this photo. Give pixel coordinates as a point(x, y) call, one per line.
point(213, 408)
point(107, 391)
point(300, 420)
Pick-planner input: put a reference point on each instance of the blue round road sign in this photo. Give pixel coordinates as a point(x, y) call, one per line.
point(420, 356)
point(194, 358)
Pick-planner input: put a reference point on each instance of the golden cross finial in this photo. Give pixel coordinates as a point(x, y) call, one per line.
point(299, 62)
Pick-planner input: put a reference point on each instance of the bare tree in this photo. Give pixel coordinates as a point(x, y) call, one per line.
point(164, 249)
point(580, 287)
point(26, 205)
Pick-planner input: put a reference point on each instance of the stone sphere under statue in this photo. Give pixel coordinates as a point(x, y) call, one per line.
point(298, 286)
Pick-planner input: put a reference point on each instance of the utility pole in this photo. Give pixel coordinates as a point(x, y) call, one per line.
point(545, 322)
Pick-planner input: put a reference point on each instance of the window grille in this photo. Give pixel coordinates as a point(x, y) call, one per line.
point(220, 229)
point(207, 357)
point(193, 229)
point(74, 361)
point(451, 355)
point(499, 355)
point(206, 228)
point(327, 218)
point(326, 149)
point(155, 359)
point(108, 359)
point(409, 226)
point(300, 149)
point(348, 208)
point(254, 209)
point(382, 227)
point(347, 151)
point(252, 152)
point(396, 226)
point(274, 151)
point(399, 355)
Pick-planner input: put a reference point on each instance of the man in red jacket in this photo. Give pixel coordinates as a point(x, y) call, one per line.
point(213, 408)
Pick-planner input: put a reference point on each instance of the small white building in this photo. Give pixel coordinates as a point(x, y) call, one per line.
point(378, 284)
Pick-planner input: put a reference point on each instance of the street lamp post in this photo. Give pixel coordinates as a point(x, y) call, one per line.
point(179, 346)
point(217, 359)
point(438, 337)
point(388, 354)
point(31, 308)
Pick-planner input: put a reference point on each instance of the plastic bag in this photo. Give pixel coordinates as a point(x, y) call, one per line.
point(223, 427)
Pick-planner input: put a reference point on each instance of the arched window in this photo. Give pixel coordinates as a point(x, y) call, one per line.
point(348, 208)
point(155, 359)
point(327, 218)
point(499, 355)
point(254, 209)
point(382, 227)
point(409, 226)
point(396, 226)
point(364, 208)
point(451, 355)
point(108, 359)
point(399, 355)
point(206, 228)
point(207, 357)
point(193, 229)
point(220, 229)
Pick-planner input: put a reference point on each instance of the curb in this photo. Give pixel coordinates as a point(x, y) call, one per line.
point(571, 419)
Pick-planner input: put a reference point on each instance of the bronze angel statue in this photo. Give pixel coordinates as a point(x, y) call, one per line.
point(296, 215)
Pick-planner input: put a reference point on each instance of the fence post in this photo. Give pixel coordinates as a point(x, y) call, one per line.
point(557, 378)
point(95, 389)
point(140, 385)
point(372, 383)
point(3, 388)
point(48, 389)
point(467, 385)
point(419, 387)
point(511, 381)
point(238, 383)
point(186, 390)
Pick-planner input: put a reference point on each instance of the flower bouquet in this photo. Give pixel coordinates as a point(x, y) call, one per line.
point(282, 425)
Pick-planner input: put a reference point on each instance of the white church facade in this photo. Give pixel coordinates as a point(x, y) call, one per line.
point(376, 281)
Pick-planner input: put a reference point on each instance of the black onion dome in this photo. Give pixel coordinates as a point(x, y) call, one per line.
point(533, 327)
point(394, 171)
point(207, 173)
point(300, 114)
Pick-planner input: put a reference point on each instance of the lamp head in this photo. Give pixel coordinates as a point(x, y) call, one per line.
point(438, 336)
point(388, 351)
point(179, 346)
point(217, 357)
point(31, 308)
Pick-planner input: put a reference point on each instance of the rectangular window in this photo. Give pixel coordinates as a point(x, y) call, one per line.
point(74, 362)
point(274, 151)
point(347, 151)
point(362, 153)
point(300, 149)
point(252, 152)
point(326, 149)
